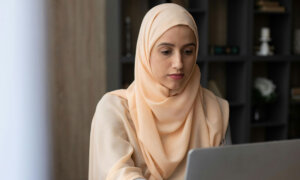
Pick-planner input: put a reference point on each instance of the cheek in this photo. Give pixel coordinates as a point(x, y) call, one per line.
point(160, 69)
point(189, 63)
point(159, 66)
point(154, 67)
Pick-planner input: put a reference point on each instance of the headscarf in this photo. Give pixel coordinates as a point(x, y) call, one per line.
point(163, 121)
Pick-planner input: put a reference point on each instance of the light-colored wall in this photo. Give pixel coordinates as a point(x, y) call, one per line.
point(24, 150)
point(78, 80)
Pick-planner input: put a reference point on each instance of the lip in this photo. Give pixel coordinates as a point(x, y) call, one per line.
point(176, 76)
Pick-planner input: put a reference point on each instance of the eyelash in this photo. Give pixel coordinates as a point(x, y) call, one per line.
point(188, 52)
point(168, 52)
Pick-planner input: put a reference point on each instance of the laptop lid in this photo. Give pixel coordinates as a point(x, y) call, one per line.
point(278, 160)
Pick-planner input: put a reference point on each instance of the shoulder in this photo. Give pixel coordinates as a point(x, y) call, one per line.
point(218, 104)
point(111, 109)
point(111, 102)
point(210, 96)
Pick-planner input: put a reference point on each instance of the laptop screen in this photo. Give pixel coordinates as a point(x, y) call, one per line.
point(271, 160)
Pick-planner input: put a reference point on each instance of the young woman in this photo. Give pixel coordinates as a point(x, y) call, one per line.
point(146, 131)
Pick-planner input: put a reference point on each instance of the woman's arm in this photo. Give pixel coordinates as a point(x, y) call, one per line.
point(110, 150)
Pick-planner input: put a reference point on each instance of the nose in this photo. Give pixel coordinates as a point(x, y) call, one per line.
point(177, 62)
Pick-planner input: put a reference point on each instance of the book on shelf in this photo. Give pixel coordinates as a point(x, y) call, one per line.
point(224, 50)
point(278, 9)
point(295, 93)
point(267, 3)
point(269, 6)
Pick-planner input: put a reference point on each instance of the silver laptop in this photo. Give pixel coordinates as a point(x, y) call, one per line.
point(278, 160)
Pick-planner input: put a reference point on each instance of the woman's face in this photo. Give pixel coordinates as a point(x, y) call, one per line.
point(173, 56)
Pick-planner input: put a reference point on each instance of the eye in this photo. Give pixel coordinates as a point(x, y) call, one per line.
point(188, 51)
point(166, 52)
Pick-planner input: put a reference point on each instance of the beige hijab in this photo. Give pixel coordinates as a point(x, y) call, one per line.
point(163, 121)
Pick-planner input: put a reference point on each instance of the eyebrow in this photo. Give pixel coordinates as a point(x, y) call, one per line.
point(169, 44)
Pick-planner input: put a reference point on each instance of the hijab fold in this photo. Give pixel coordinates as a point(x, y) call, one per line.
point(164, 119)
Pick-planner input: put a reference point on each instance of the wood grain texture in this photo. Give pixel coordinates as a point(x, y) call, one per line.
point(217, 22)
point(77, 75)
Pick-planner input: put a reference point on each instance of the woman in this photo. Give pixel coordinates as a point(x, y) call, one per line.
point(147, 130)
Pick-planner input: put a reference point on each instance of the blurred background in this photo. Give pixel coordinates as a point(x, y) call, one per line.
point(59, 57)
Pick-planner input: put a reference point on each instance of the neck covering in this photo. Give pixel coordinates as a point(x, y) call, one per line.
point(163, 119)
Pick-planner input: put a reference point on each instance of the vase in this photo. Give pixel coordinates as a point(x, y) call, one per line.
point(259, 114)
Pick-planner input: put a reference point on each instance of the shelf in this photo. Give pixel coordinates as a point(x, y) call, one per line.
point(267, 124)
point(257, 12)
point(274, 58)
point(223, 58)
point(232, 58)
point(295, 103)
point(295, 58)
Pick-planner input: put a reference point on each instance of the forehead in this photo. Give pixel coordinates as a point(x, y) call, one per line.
point(178, 34)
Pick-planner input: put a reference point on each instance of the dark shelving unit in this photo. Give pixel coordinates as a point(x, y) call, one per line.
point(238, 23)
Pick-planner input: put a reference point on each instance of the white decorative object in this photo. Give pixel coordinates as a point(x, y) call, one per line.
point(263, 94)
point(265, 38)
point(297, 41)
point(265, 86)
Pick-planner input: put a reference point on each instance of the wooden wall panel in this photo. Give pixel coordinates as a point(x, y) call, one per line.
point(217, 22)
point(77, 71)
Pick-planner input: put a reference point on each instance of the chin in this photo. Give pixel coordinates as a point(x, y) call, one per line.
point(174, 87)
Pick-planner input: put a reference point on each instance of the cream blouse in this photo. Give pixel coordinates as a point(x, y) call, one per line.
point(113, 138)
